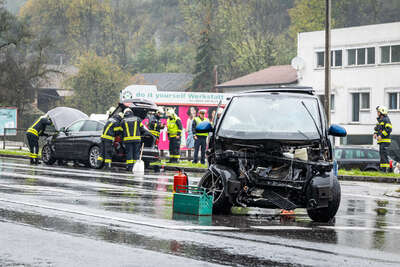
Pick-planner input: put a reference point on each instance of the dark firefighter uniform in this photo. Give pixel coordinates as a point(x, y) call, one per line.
point(133, 130)
point(107, 139)
point(383, 129)
point(200, 142)
point(155, 125)
point(174, 126)
point(37, 129)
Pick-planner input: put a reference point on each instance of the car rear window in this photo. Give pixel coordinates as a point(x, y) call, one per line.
point(338, 153)
point(354, 154)
point(372, 154)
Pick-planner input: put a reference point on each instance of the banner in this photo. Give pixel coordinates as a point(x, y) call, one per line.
point(8, 119)
point(173, 98)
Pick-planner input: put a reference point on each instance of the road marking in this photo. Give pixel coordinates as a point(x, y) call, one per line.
point(280, 227)
point(351, 228)
point(156, 225)
point(372, 197)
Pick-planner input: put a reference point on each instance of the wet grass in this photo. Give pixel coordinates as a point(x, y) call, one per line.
point(17, 152)
point(370, 173)
point(182, 164)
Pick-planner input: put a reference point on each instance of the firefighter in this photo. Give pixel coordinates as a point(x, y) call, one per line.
point(200, 138)
point(107, 138)
point(382, 133)
point(133, 130)
point(155, 124)
point(174, 126)
point(37, 129)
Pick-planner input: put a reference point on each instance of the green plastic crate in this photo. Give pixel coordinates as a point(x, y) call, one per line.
point(192, 200)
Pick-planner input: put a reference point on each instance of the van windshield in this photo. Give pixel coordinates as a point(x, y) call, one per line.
point(271, 117)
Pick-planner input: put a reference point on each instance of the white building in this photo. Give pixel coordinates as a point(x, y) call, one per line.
point(365, 73)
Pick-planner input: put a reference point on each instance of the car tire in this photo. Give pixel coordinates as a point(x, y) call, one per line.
point(221, 204)
point(328, 213)
point(47, 155)
point(92, 162)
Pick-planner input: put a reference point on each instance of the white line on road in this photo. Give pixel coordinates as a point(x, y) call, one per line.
point(165, 226)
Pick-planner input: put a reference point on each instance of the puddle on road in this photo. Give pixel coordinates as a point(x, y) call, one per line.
point(154, 200)
point(118, 234)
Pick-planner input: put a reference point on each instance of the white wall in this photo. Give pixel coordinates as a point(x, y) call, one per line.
point(376, 79)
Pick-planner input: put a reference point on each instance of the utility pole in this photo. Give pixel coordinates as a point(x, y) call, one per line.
point(327, 102)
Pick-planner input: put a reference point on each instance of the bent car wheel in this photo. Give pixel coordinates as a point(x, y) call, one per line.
point(47, 156)
point(94, 153)
point(215, 187)
point(328, 213)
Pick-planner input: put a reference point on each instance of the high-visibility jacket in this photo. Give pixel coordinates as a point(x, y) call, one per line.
point(39, 126)
point(108, 130)
point(155, 126)
point(174, 126)
point(384, 129)
point(133, 129)
point(196, 122)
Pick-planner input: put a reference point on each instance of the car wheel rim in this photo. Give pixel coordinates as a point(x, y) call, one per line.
point(214, 186)
point(94, 154)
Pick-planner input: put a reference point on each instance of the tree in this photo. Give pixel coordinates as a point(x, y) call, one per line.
point(307, 15)
point(204, 78)
point(97, 84)
point(23, 61)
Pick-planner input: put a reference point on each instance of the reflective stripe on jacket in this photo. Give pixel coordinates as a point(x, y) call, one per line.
point(174, 126)
point(132, 129)
point(108, 130)
point(384, 129)
point(154, 126)
point(196, 122)
point(39, 126)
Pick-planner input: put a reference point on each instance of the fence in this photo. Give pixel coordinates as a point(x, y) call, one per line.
point(15, 138)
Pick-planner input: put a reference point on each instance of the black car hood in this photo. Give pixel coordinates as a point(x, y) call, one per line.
point(63, 116)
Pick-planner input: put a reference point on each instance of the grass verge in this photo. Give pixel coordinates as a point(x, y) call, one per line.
point(16, 152)
point(182, 163)
point(374, 174)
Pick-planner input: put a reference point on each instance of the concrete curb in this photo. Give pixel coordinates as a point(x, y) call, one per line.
point(377, 179)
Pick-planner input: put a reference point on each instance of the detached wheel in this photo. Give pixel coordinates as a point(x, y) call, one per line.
point(47, 155)
point(328, 213)
point(94, 153)
point(215, 187)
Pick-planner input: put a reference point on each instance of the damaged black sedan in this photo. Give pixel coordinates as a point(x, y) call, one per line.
point(270, 149)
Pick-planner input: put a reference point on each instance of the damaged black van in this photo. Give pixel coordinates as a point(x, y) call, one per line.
point(270, 149)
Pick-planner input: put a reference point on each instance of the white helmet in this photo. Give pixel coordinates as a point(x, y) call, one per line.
point(160, 110)
point(170, 112)
point(382, 109)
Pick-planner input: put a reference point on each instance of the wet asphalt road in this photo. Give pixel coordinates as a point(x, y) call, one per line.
point(65, 216)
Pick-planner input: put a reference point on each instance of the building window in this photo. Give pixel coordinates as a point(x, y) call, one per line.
point(390, 54)
point(320, 59)
point(394, 101)
point(371, 55)
point(361, 101)
point(361, 56)
point(336, 59)
point(322, 99)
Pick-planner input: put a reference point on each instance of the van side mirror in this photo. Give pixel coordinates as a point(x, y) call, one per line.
point(204, 127)
point(337, 130)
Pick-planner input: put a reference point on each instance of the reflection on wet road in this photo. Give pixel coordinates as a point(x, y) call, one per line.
point(103, 209)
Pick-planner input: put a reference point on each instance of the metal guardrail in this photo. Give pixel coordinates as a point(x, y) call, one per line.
point(15, 138)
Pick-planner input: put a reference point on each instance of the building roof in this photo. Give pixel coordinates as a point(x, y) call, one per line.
point(275, 75)
point(165, 81)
